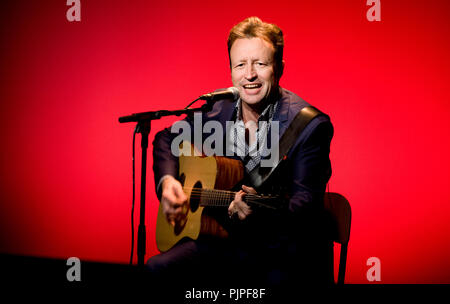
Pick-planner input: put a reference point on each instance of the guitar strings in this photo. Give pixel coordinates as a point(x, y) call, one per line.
point(216, 197)
point(219, 192)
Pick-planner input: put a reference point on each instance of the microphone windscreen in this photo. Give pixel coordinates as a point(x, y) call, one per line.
point(235, 92)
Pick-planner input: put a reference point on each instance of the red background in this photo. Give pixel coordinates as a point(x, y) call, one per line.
point(65, 161)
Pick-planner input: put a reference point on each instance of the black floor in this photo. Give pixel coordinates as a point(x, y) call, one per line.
point(22, 272)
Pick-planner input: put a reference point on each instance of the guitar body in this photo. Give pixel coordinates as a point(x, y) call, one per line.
point(198, 173)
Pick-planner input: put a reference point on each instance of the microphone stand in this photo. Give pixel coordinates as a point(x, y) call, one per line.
point(143, 121)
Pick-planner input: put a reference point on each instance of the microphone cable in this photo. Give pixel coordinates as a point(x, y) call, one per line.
point(192, 102)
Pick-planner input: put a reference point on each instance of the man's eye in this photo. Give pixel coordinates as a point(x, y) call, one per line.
point(261, 64)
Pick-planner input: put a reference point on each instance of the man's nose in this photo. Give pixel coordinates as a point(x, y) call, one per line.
point(250, 73)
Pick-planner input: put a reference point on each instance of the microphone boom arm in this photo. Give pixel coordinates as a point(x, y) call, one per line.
point(154, 115)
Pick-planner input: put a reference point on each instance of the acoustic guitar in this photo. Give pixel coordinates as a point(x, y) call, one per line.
point(207, 182)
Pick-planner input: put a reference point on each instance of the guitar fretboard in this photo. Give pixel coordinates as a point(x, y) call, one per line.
point(223, 198)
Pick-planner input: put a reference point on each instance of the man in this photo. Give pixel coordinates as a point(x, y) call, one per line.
point(271, 247)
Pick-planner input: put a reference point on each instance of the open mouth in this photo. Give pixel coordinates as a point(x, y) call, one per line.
point(252, 86)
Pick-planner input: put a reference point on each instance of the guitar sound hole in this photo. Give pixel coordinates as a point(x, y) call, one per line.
point(195, 196)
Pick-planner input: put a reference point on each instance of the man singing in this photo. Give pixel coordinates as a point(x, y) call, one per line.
point(269, 247)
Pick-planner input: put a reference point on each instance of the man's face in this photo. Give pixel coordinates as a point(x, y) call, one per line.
point(253, 69)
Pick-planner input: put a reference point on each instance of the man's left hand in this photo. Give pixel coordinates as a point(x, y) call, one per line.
point(238, 208)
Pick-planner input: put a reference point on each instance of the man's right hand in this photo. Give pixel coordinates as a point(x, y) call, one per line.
point(173, 199)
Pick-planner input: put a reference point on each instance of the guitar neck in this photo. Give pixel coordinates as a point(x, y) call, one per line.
point(212, 197)
point(223, 198)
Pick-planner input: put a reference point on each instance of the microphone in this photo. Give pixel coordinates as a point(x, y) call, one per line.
point(230, 93)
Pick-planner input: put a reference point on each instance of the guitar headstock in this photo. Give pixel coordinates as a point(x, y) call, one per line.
point(270, 201)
